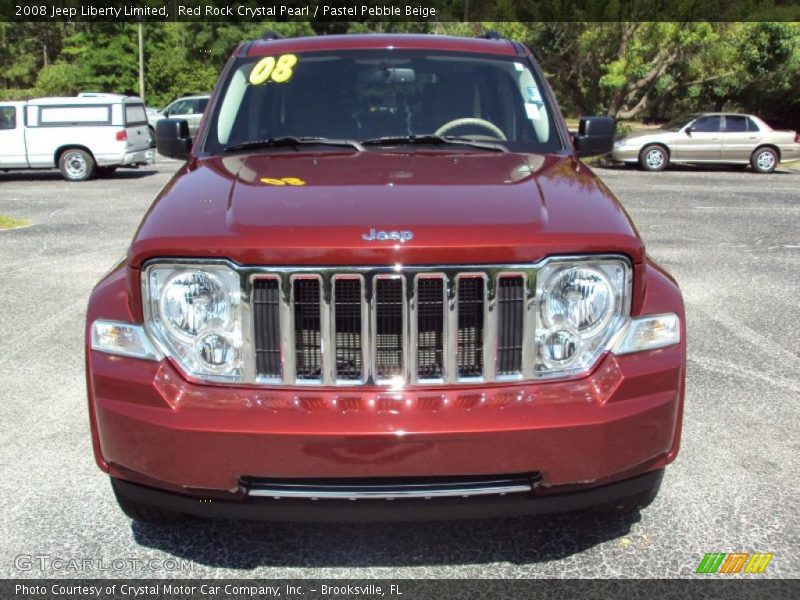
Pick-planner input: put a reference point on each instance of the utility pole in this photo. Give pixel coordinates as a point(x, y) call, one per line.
point(141, 61)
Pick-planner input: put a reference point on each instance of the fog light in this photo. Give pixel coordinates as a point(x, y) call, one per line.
point(122, 339)
point(649, 333)
point(560, 348)
point(215, 350)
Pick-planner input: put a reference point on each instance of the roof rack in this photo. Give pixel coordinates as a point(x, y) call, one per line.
point(491, 34)
point(271, 35)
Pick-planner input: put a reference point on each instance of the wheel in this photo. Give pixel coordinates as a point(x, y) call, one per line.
point(764, 160)
point(146, 513)
point(76, 164)
point(105, 171)
point(631, 504)
point(653, 158)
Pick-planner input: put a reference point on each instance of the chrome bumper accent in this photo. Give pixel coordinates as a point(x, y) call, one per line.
point(393, 491)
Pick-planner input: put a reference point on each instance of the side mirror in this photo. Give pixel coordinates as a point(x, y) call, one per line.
point(595, 136)
point(688, 131)
point(173, 139)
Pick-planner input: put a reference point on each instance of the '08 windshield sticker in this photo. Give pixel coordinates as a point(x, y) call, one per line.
point(269, 68)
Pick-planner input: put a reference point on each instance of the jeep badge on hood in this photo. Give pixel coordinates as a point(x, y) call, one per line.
point(385, 236)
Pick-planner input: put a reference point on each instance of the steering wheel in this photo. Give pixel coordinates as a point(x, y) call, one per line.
point(472, 121)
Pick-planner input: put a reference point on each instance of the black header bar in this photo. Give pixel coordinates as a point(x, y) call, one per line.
point(400, 10)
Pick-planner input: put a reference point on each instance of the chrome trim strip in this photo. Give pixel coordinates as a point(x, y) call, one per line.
point(387, 492)
point(249, 371)
point(490, 312)
point(412, 364)
point(451, 329)
point(287, 330)
point(327, 335)
point(368, 326)
point(529, 326)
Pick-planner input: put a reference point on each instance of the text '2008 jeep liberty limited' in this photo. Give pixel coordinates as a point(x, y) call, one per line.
point(383, 274)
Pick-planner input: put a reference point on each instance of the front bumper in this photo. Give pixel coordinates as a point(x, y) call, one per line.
point(154, 428)
point(382, 511)
point(626, 154)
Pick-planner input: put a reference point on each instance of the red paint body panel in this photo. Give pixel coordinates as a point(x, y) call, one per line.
point(463, 209)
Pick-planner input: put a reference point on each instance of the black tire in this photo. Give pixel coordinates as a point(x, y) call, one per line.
point(653, 158)
point(105, 171)
point(631, 504)
point(147, 513)
point(76, 164)
point(764, 160)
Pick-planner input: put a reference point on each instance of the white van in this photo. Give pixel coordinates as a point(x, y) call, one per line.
point(82, 136)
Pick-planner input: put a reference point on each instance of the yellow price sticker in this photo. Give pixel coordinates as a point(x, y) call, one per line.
point(282, 181)
point(269, 68)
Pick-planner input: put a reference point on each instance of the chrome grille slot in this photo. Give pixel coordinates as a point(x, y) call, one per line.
point(471, 302)
point(389, 327)
point(430, 328)
point(510, 327)
point(348, 329)
point(307, 329)
point(266, 311)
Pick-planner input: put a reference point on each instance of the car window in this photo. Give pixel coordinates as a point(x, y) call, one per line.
point(735, 124)
point(364, 95)
point(200, 105)
point(8, 117)
point(180, 107)
point(707, 124)
point(752, 125)
point(80, 114)
point(677, 124)
point(135, 114)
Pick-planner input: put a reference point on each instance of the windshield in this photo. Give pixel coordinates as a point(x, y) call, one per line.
point(367, 95)
point(679, 122)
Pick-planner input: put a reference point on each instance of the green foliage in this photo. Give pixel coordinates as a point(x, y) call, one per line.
point(60, 79)
point(634, 70)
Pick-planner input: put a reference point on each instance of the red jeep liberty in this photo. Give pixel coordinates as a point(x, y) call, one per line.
point(384, 286)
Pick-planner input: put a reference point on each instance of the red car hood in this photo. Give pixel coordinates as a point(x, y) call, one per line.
point(462, 208)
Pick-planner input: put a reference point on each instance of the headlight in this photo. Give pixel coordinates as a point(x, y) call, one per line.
point(582, 305)
point(194, 313)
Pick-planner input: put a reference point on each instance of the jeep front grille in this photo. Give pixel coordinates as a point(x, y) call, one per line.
point(384, 326)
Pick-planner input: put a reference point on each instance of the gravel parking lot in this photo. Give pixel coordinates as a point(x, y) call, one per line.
point(732, 239)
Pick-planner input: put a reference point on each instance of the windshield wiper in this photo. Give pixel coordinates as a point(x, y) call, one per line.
point(290, 140)
point(434, 139)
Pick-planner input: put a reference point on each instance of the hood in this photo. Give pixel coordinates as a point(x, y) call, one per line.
point(292, 208)
point(652, 135)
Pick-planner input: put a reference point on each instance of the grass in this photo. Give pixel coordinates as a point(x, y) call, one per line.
point(7, 222)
